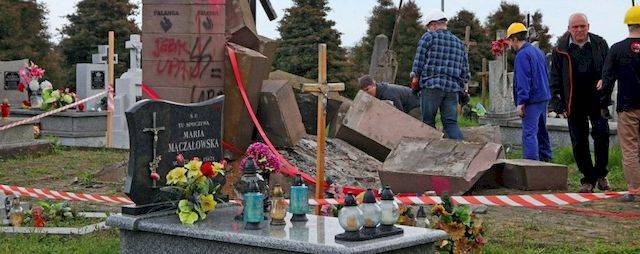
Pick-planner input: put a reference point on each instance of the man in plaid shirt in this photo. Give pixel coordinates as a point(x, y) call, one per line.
point(440, 70)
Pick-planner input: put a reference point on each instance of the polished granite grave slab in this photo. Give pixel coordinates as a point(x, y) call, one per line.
point(219, 233)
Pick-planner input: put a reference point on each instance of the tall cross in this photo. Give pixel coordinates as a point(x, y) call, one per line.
point(153, 166)
point(467, 46)
point(134, 45)
point(484, 77)
point(322, 88)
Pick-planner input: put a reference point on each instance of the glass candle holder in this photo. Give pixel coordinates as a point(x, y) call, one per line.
point(253, 209)
point(350, 217)
point(16, 213)
point(389, 207)
point(371, 210)
point(278, 206)
point(299, 202)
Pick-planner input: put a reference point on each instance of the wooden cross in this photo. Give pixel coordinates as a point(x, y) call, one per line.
point(484, 77)
point(467, 45)
point(322, 88)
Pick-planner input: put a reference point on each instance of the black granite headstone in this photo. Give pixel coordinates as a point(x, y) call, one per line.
point(11, 80)
point(193, 130)
point(97, 80)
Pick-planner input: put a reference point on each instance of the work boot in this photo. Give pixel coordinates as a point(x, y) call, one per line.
point(586, 188)
point(603, 184)
point(627, 198)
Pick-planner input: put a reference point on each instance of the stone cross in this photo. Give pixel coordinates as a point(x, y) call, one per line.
point(484, 80)
point(322, 88)
point(101, 57)
point(134, 45)
point(155, 130)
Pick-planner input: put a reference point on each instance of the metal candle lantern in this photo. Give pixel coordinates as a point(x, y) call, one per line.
point(299, 203)
point(278, 206)
point(249, 177)
point(371, 211)
point(350, 216)
point(253, 213)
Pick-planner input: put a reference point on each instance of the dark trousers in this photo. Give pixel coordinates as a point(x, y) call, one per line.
point(579, 131)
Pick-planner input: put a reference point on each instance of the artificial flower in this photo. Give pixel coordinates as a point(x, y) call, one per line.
point(207, 169)
point(180, 158)
point(55, 94)
point(194, 164)
point(177, 176)
point(21, 87)
point(207, 203)
point(46, 85)
point(67, 98)
point(188, 217)
point(34, 85)
point(219, 167)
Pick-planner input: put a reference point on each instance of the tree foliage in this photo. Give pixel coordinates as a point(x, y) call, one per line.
point(303, 27)
point(382, 21)
point(23, 35)
point(457, 25)
point(544, 38)
point(89, 27)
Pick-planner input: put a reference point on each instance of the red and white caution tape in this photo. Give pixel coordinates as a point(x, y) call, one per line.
point(48, 113)
point(63, 195)
point(530, 200)
point(111, 104)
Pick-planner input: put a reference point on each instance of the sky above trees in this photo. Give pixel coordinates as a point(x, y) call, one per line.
point(351, 15)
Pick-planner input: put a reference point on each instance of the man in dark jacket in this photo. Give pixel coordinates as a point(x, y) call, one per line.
point(403, 98)
point(576, 72)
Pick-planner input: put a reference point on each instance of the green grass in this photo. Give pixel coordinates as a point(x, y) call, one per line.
point(102, 241)
point(564, 156)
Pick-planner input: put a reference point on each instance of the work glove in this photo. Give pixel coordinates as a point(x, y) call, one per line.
point(415, 86)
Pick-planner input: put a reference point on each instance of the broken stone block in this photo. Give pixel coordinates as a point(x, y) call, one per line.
point(268, 48)
point(240, 25)
point(308, 105)
point(445, 166)
point(279, 114)
point(376, 127)
point(336, 123)
point(533, 175)
point(484, 133)
point(238, 127)
point(294, 80)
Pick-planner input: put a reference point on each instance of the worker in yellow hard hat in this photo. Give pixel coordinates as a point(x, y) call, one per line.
point(623, 65)
point(531, 94)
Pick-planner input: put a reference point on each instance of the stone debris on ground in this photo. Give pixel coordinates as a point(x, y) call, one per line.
point(345, 164)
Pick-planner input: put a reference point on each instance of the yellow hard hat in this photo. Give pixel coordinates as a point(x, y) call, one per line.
point(633, 16)
point(515, 28)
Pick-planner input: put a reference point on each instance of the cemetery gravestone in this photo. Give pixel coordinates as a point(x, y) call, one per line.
point(91, 78)
point(9, 80)
point(128, 90)
point(162, 130)
point(184, 53)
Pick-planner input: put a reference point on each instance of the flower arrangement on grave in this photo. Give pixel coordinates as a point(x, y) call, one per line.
point(56, 98)
point(498, 47)
point(4, 107)
point(195, 183)
point(266, 160)
point(43, 212)
point(464, 228)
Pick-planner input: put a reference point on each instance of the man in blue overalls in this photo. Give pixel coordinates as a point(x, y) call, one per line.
point(531, 94)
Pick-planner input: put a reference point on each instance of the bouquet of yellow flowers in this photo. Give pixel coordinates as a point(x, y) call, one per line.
point(195, 182)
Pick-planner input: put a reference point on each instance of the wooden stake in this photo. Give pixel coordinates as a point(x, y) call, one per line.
point(322, 80)
point(111, 84)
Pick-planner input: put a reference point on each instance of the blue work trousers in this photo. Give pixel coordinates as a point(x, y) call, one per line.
point(535, 138)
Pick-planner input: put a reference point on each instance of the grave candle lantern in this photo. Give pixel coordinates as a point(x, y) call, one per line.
point(371, 211)
point(5, 108)
point(16, 213)
point(278, 206)
point(253, 210)
point(389, 207)
point(350, 216)
point(299, 203)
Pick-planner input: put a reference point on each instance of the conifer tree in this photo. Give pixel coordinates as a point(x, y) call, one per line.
point(89, 27)
point(23, 35)
point(303, 27)
point(457, 25)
